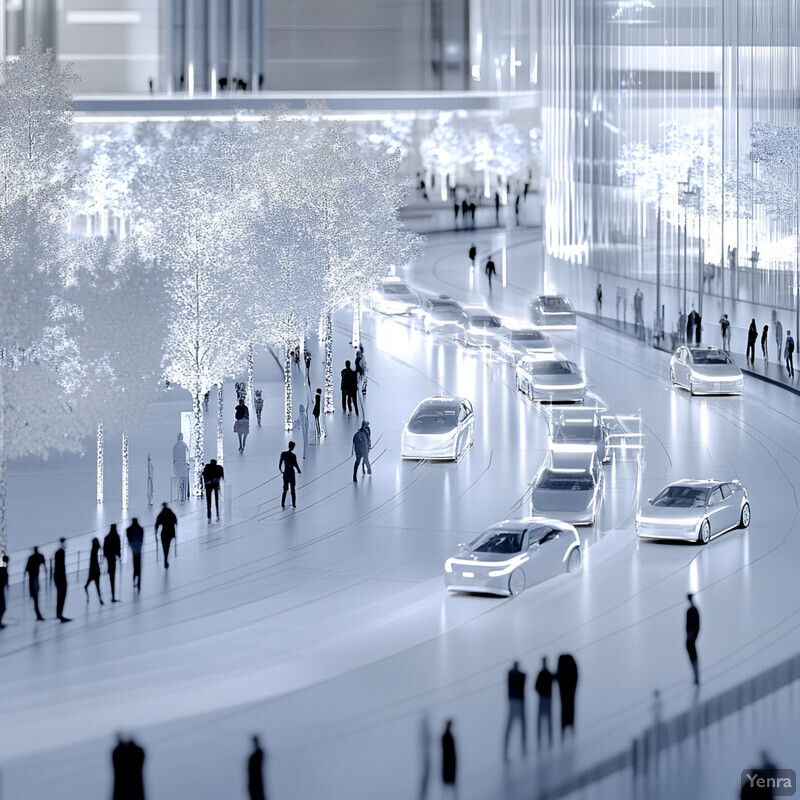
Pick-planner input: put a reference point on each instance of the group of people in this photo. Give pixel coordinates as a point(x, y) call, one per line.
point(353, 381)
point(753, 337)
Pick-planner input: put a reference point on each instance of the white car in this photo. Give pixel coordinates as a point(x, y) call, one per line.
point(694, 511)
point(441, 428)
point(513, 554)
point(569, 487)
point(550, 380)
point(443, 315)
point(526, 342)
point(392, 296)
point(483, 330)
point(705, 370)
point(553, 311)
point(580, 430)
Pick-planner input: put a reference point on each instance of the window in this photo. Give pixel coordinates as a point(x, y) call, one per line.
point(716, 496)
point(726, 490)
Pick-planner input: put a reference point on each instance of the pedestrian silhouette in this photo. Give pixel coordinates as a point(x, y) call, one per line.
point(544, 688)
point(690, 326)
point(60, 580)
point(349, 388)
point(516, 210)
point(302, 423)
point(112, 550)
point(752, 335)
point(361, 446)
point(725, 330)
point(168, 522)
point(752, 787)
point(34, 564)
point(259, 405)
point(213, 474)
point(242, 425)
point(448, 757)
point(180, 465)
point(598, 299)
point(692, 632)
point(316, 412)
point(490, 271)
point(94, 571)
point(472, 208)
point(3, 585)
point(287, 466)
point(135, 534)
point(255, 772)
point(456, 207)
point(778, 328)
point(127, 760)
point(764, 340)
point(497, 208)
point(425, 751)
point(567, 677)
point(788, 353)
point(473, 253)
point(698, 328)
point(516, 708)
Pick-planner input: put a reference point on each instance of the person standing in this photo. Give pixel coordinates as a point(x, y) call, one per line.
point(752, 335)
point(360, 448)
point(361, 370)
point(598, 299)
point(127, 759)
point(135, 534)
point(725, 331)
point(255, 772)
point(112, 550)
point(317, 412)
point(168, 522)
point(698, 328)
point(180, 465)
point(3, 585)
point(692, 632)
point(778, 338)
point(242, 425)
point(690, 326)
point(287, 466)
point(60, 580)
point(490, 272)
point(259, 405)
point(456, 209)
point(638, 314)
point(34, 564)
point(516, 210)
point(473, 254)
point(764, 336)
point(449, 762)
point(544, 688)
point(94, 571)
point(349, 387)
point(302, 423)
point(213, 474)
point(516, 708)
point(307, 359)
point(788, 354)
point(497, 208)
point(567, 677)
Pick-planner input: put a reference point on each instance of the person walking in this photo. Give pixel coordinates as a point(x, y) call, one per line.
point(692, 632)
point(598, 299)
point(349, 386)
point(361, 370)
point(473, 254)
point(449, 762)
point(490, 272)
point(317, 411)
point(544, 688)
point(752, 335)
point(778, 338)
point(764, 336)
point(242, 425)
point(94, 571)
point(497, 208)
point(788, 354)
point(112, 550)
point(255, 772)
point(516, 708)
point(135, 534)
point(60, 579)
point(32, 567)
point(180, 465)
point(168, 522)
point(127, 760)
point(259, 405)
point(307, 360)
point(302, 423)
point(567, 677)
point(361, 443)
point(287, 466)
point(725, 332)
point(213, 474)
point(3, 585)
point(638, 311)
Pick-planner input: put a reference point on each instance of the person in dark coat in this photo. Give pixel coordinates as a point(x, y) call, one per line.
point(690, 326)
point(3, 585)
point(516, 708)
point(349, 389)
point(259, 406)
point(60, 580)
point(242, 425)
point(752, 335)
point(168, 522)
point(317, 412)
point(448, 756)
point(135, 534)
point(255, 772)
point(287, 465)
point(128, 762)
point(112, 550)
point(94, 571)
point(361, 443)
point(698, 328)
point(32, 567)
point(213, 474)
point(490, 272)
point(544, 688)
point(456, 209)
point(788, 353)
point(692, 632)
point(473, 254)
point(764, 339)
point(497, 208)
point(567, 677)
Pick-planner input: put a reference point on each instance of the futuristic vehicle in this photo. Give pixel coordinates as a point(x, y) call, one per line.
point(441, 428)
point(392, 296)
point(443, 315)
point(553, 311)
point(705, 370)
point(513, 554)
point(568, 486)
point(526, 342)
point(694, 511)
point(580, 430)
point(483, 330)
point(550, 380)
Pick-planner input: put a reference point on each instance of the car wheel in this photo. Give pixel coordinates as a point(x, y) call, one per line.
point(574, 562)
point(516, 582)
point(744, 521)
point(705, 532)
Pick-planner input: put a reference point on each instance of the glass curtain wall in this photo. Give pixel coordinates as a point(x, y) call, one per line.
point(647, 113)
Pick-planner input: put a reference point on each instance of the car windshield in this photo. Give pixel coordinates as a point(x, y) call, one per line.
point(395, 288)
point(681, 497)
point(564, 482)
point(556, 304)
point(500, 542)
point(484, 322)
point(577, 433)
point(444, 305)
point(550, 368)
point(527, 336)
point(431, 419)
point(710, 357)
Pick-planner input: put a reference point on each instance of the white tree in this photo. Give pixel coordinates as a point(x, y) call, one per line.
point(447, 146)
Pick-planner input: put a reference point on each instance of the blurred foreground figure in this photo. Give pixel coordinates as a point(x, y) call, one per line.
point(449, 759)
point(128, 761)
point(255, 772)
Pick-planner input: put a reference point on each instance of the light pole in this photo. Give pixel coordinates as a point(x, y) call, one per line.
point(690, 196)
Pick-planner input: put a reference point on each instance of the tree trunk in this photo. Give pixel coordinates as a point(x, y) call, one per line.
point(220, 425)
point(357, 323)
point(125, 471)
point(330, 405)
point(100, 463)
point(197, 434)
point(250, 359)
point(288, 412)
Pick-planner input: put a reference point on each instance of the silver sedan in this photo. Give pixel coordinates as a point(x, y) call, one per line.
point(553, 311)
point(441, 428)
point(580, 430)
point(443, 315)
point(705, 370)
point(694, 511)
point(513, 554)
point(392, 296)
point(569, 486)
point(483, 330)
point(527, 342)
point(550, 380)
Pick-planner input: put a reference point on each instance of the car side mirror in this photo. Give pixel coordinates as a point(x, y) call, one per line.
point(649, 499)
point(534, 546)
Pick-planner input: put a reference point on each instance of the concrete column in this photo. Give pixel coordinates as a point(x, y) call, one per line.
point(255, 43)
point(212, 33)
point(188, 45)
point(235, 71)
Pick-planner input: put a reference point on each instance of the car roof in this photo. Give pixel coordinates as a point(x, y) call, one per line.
point(571, 461)
point(697, 483)
point(440, 401)
point(526, 523)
